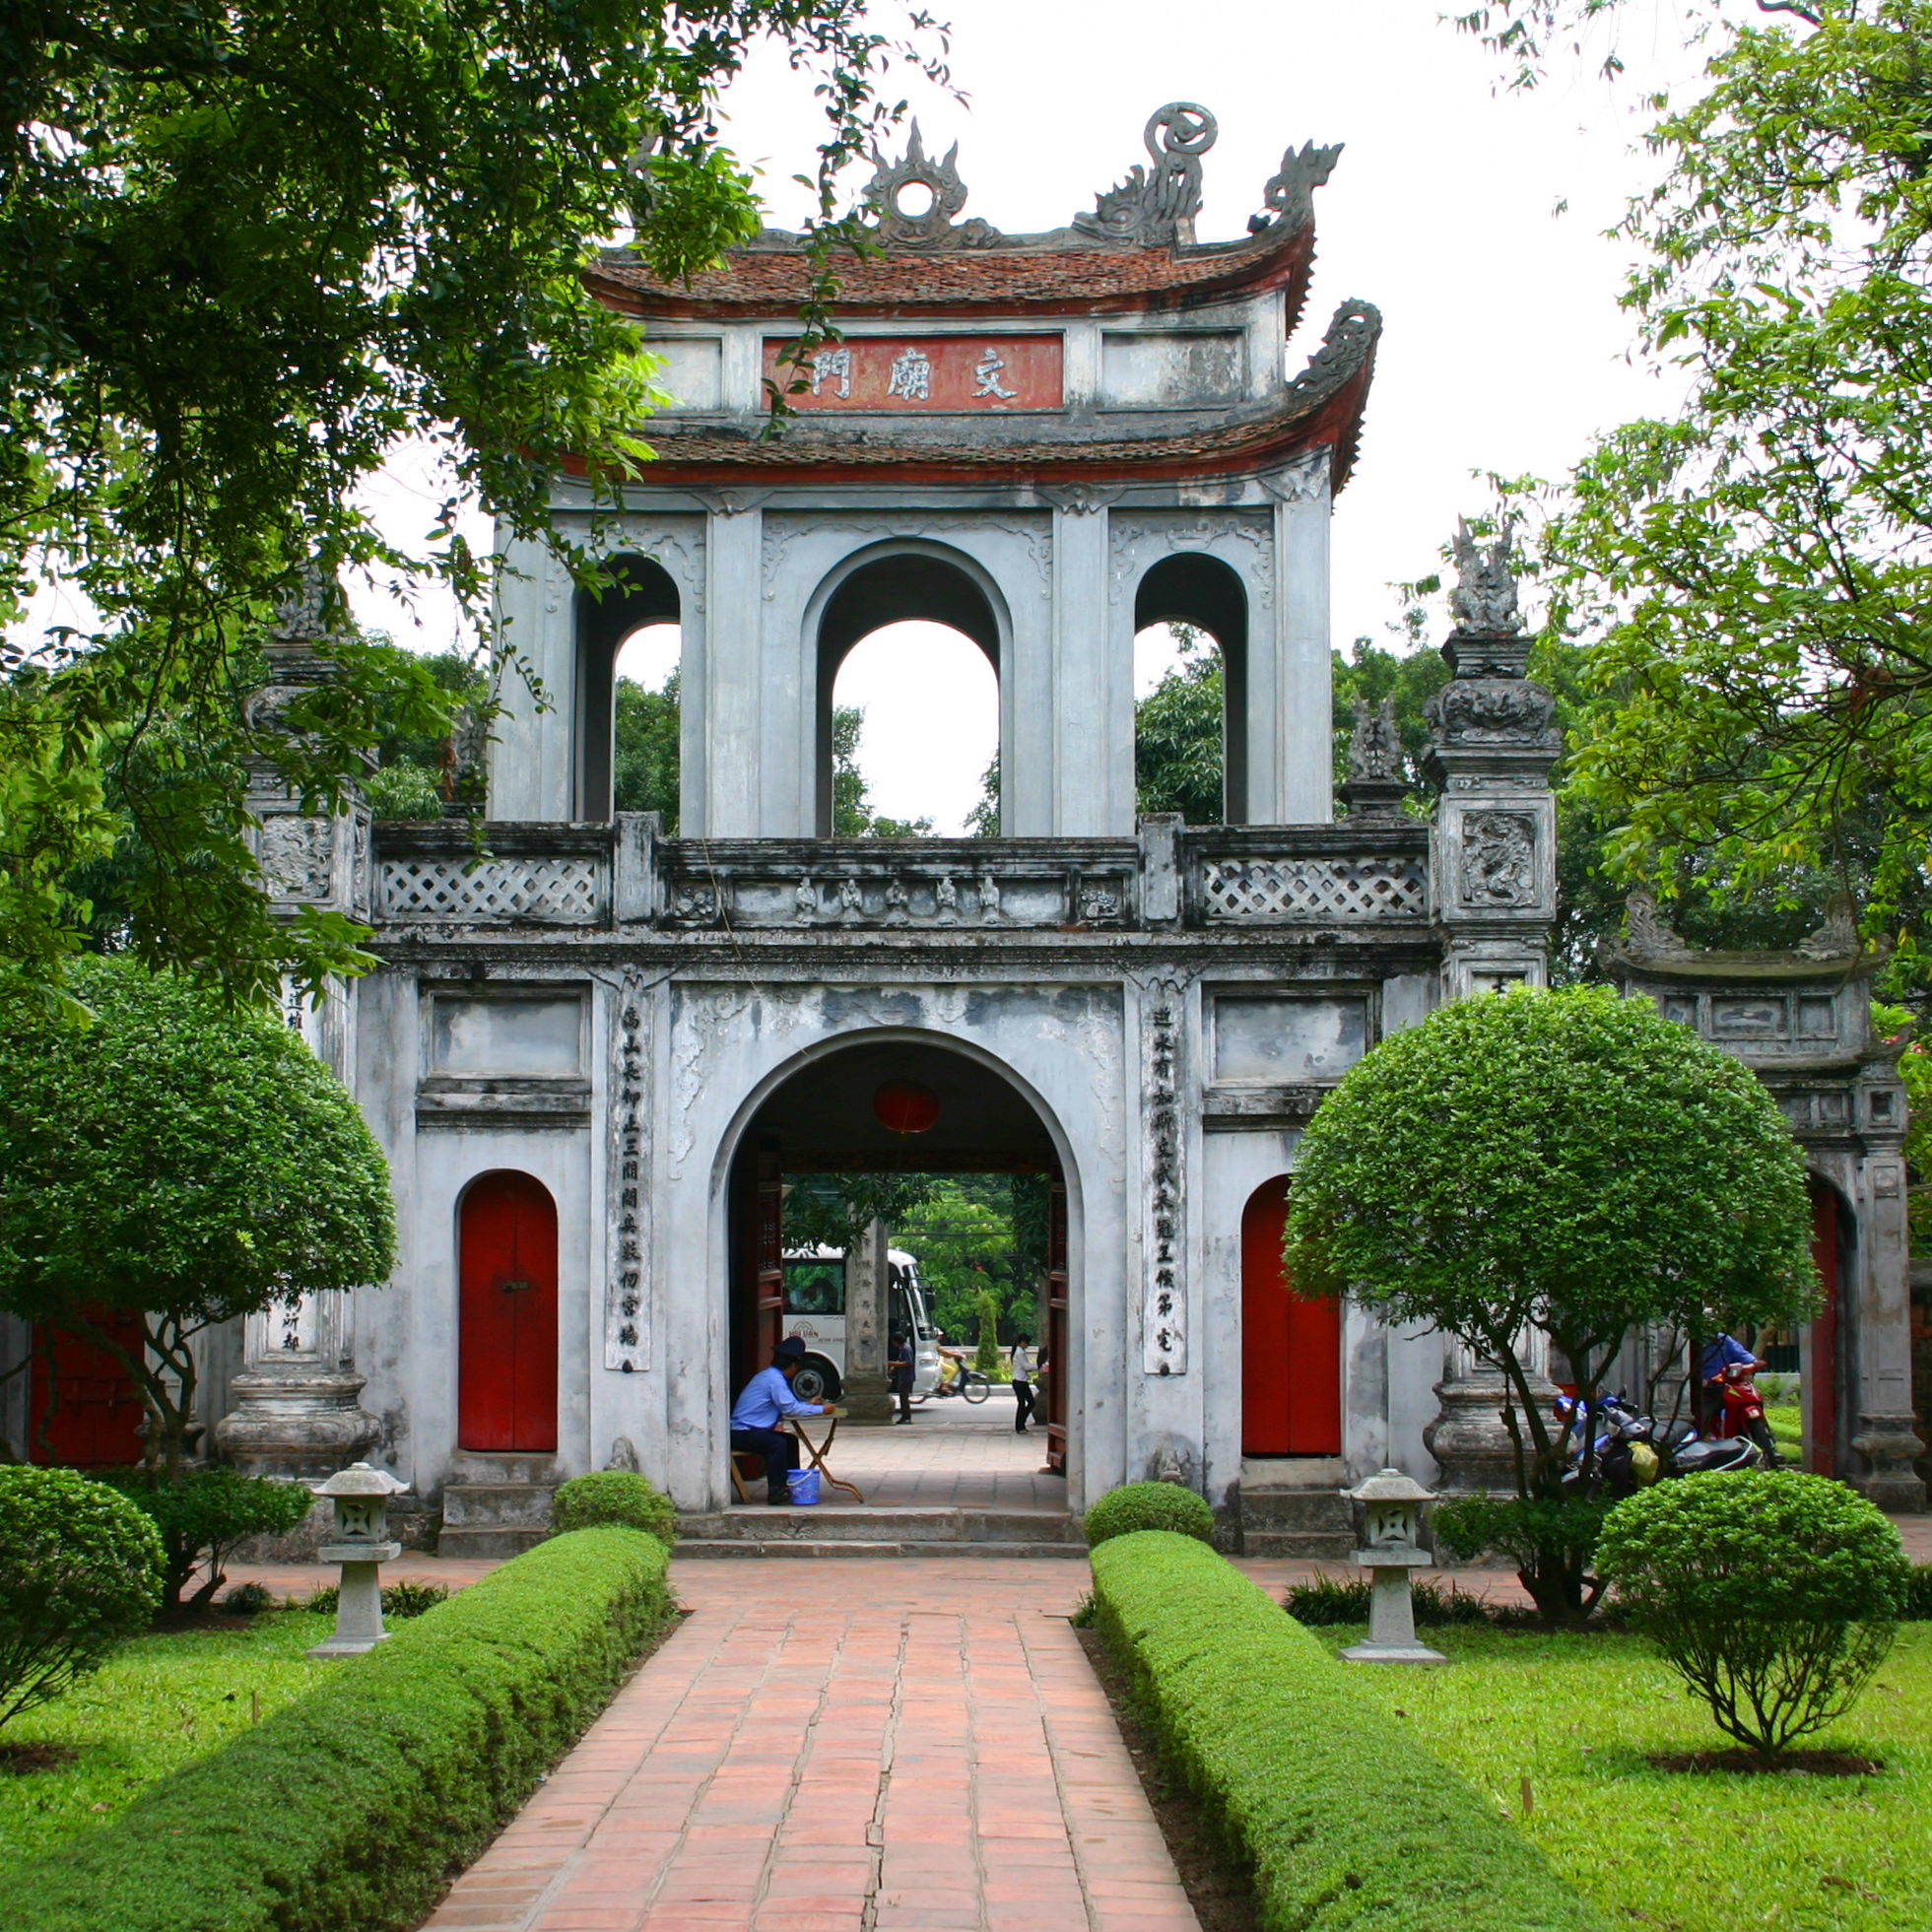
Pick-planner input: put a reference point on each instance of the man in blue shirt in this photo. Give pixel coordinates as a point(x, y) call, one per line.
point(755, 1417)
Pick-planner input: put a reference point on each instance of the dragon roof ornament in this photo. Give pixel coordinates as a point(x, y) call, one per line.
point(1483, 601)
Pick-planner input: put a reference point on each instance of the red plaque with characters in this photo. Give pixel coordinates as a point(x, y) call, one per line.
point(961, 374)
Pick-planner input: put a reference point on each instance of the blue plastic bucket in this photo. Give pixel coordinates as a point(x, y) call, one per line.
point(804, 1487)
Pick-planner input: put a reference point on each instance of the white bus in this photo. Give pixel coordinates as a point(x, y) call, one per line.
point(814, 1311)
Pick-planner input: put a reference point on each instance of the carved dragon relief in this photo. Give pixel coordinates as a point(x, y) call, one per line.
point(1155, 207)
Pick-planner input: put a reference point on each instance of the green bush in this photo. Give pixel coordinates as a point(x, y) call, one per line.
point(79, 1570)
point(1916, 1606)
point(1342, 1821)
point(203, 1515)
point(1773, 1593)
point(616, 1496)
point(1329, 1600)
point(351, 1806)
point(1149, 1506)
point(1534, 1533)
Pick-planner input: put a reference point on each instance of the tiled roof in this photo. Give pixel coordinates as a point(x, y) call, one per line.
point(1068, 280)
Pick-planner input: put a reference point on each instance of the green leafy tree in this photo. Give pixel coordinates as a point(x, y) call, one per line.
point(1179, 757)
point(964, 1238)
point(249, 248)
point(836, 1209)
point(179, 1160)
point(1566, 1165)
point(987, 1357)
point(201, 1514)
point(646, 767)
point(1752, 569)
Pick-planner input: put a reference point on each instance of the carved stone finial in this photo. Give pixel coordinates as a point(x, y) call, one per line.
point(1290, 196)
point(1649, 936)
point(299, 614)
point(1376, 744)
point(1154, 208)
point(931, 229)
point(1837, 938)
point(1483, 601)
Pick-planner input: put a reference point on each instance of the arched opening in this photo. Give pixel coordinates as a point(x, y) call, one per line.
point(642, 596)
point(506, 1316)
point(1290, 1344)
point(1823, 1352)
point(647, 712)
point(947, 1168)
point(891, 593)
point(1174, 739)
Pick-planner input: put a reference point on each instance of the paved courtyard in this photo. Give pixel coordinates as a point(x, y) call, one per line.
point(912, 1747)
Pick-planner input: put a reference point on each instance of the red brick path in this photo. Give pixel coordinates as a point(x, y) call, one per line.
point(843, 1745)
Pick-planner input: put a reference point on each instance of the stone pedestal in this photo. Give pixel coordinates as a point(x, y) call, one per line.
point(1392, 1635)
point(296, 1412)
point(1890, 1445)
point(1468, 1438)
point(359, 1607)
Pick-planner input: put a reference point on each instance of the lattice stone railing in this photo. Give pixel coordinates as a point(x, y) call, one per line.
point(1314, 888)
point(561, 890)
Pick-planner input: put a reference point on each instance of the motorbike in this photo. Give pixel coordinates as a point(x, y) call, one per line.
point(968, 1384)
point(1744, 1410)
point(1632, 1450)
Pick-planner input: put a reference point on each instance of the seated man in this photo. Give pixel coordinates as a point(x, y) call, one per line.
point(756, 1415)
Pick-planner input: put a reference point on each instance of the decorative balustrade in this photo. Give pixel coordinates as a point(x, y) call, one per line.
point(575, 875)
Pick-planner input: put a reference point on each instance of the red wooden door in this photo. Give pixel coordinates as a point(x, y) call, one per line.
point(507, 1343)
point(83, 1410)
point(1290, 1344)
point(1821, 1388)
point(1058, 1368)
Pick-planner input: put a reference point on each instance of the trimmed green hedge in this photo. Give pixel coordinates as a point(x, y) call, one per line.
point(353, 1805)
point(1342, 1820)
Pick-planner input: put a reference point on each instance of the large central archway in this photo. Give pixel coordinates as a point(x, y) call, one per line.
point(830, 1114)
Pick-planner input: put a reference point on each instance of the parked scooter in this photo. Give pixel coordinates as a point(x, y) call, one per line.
point(1742, 1412)
point(1632, 1450)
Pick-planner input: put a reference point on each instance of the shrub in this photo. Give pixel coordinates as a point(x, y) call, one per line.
point(1149, 1506)
point(349, 1806)
point(248, 1600)
point(79, 1570)
point(1333, 1600)
point(1916, 1606)
point(203, 1515)
point(1536, 1534)
point(1343, 1821)
point(617, 1497)
point(404, 1600)
point(1773, 1593)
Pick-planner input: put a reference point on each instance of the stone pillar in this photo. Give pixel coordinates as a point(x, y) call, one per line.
point(868, 1296)
point(1093, 683)
point(1467, 1438)
point(1886, 1436)
point(296, 1409)
point(725, 794)
point(1296, 784)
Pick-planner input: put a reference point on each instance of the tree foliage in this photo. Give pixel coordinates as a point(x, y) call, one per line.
point(203, 1514)
point(1562, 1164)
point(181, 1161)
point(249, 248)
point(1753, 571)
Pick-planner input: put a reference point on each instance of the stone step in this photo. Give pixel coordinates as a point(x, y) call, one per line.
point(497, 1506)
point(829, 1523)
point(478, 1541)
point(736, 1547)
point(489, 1468)
point(1309, 1523)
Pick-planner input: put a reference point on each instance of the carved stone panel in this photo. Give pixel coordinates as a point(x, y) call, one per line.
point(1498, 860)
point(1163, 1314)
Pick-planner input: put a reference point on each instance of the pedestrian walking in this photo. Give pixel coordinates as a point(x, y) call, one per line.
point(1022, 1382)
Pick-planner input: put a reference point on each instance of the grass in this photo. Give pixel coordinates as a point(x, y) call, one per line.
point(1787, 1427)
point(160, 1701)
point(1577, 1717)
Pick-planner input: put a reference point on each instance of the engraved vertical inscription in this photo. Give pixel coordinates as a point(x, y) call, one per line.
point(626, 1328)
point(1164, 1318)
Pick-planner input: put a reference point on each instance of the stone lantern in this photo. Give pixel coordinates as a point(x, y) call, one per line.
point(1390, 1502)
point(361, 1495)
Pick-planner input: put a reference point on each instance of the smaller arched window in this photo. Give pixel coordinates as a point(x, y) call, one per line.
point(1207, 595)
point(643, 595)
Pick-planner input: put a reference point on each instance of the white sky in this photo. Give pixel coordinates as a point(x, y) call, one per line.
point(1503, 346)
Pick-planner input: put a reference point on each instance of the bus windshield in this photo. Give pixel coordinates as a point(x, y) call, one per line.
point(814, 1288)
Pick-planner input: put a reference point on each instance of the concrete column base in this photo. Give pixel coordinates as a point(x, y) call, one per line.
point(1890, 1445)
point(866, 1398)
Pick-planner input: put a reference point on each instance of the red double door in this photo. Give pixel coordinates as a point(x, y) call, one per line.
point(1290, 1344)
point(83, 1409)
point(506, 1340)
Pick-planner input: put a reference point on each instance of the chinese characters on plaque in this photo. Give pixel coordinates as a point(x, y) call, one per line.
point(956, 373)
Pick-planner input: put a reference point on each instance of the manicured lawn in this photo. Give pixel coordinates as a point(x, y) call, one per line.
point(1578, 1715)
point(1787, 1427)
point(160, 1701)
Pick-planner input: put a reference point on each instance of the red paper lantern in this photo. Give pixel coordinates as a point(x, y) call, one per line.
point(906, 1108)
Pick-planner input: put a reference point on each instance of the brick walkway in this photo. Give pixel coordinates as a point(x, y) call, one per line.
point(843, 1747)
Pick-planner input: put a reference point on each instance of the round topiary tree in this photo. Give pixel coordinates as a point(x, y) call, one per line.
point(614, 1496)
point(79, 1571)
point(180, 1160)
point(1566, 1164)
point(1774, 1594)
point(1148, 1505)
